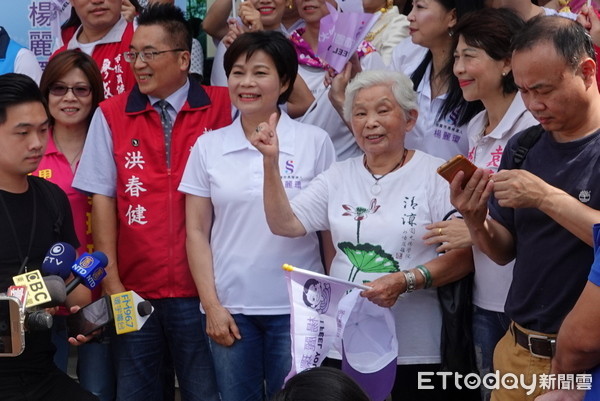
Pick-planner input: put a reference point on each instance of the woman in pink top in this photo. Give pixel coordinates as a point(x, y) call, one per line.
point(72, 86)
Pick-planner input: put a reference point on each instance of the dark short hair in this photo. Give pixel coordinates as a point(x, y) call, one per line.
point(172, 20)
point(61, 64)
point(273, 43)
point(321, 383)
point(16, 89)
point(492, 31)
point(570, 39)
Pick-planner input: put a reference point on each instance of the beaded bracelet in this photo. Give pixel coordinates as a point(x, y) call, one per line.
point(426, 275)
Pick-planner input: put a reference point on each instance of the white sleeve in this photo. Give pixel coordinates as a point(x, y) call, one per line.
point(195, 179)
point(217, 76)
point(26, 63)
point(372, 61)
point(311, 205)
point(97, 172)
point(326, 155)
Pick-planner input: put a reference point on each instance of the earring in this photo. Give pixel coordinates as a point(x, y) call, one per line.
point(450, 32)
point(504, 74)
point(290, 4)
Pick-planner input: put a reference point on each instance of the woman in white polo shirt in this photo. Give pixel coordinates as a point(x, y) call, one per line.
point(482, 58)
point(235, 260)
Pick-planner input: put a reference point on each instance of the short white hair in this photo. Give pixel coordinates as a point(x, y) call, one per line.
point(400, 84)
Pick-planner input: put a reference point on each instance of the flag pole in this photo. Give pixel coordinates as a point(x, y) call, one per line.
point(291, 268)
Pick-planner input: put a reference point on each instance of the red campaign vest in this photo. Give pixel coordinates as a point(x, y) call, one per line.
point(151, 251)
point(117, 74)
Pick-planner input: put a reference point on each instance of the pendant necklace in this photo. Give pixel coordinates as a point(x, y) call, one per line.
point(376, 188)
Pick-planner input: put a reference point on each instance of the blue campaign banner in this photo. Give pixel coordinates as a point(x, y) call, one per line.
point(35, 23)
point(28, 22)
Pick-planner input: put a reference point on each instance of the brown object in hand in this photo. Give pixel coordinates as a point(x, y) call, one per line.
point(458, 163)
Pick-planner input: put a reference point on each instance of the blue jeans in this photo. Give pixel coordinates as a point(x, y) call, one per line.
point(488, 328)
point(96, 369)
point(262, 357)
point(175, 326)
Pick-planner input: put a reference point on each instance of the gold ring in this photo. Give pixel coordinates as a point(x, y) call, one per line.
point(440, 231)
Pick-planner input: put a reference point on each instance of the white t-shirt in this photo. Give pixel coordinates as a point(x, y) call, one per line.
point(492, 281)
point(247, 257)
point(324, 114)
point(391, 225)
point(439, 137)
point(26, 63)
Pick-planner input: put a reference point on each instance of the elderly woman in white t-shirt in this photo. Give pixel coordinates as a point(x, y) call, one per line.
point(482, 64)
point(378, 204)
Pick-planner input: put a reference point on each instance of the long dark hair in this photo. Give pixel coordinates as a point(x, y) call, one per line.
point(454, 102)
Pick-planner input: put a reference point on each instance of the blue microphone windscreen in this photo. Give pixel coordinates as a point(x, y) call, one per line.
point(101, 257)
point(58, 260)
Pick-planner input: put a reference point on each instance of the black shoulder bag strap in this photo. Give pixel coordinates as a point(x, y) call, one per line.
point(525, 142)
point(50, 196)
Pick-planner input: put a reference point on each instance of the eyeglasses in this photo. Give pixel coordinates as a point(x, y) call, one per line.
point(146, 56)
point(79, 91)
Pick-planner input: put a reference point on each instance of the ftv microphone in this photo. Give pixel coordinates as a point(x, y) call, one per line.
point(88, 270)
point(58, 260)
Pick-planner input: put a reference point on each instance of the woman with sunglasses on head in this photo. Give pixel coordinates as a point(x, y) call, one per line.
point(72, 85)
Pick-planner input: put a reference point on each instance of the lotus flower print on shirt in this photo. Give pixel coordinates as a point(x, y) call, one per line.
point(366, 257)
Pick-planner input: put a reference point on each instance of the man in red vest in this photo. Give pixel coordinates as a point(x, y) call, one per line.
point(134, 157)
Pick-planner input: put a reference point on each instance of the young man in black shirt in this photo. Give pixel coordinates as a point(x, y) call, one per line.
point(34, 214)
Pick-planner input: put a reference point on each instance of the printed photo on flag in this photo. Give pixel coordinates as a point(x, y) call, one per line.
point(314, 300)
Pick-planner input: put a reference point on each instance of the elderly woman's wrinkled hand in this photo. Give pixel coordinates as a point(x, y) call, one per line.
point(338, 83)
point(264, 137)
point(472, 201)
point(385, 290)
point(450, 234)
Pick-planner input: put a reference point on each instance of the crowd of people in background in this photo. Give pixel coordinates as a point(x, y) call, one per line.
point(200, 176)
